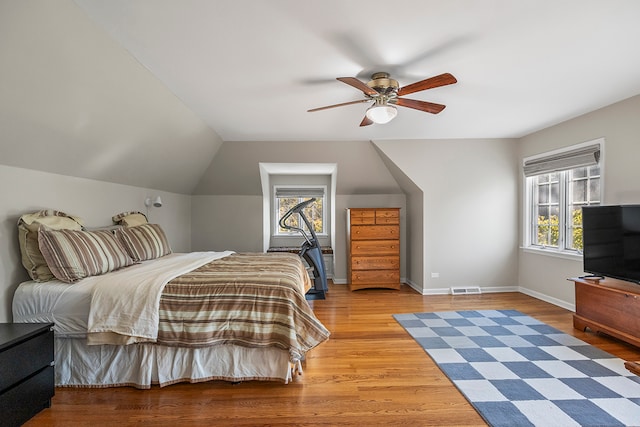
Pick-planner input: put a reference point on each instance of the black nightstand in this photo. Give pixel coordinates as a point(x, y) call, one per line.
point(26, 371)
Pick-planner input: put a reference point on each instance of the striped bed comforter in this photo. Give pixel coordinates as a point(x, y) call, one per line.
point(248, 299)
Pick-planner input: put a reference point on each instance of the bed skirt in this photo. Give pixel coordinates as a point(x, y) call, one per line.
point(143, 365)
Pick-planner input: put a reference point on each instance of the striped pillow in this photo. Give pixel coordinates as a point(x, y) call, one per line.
point(144, 242)
point(73, 255)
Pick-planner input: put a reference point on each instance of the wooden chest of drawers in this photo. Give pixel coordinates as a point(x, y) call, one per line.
point(373, 248)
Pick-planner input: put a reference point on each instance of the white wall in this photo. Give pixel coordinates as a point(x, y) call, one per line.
point(414, 235)
point(544, 276)
point(469, 222)
point(226, 223)
point(23, 191)
point(235, 170)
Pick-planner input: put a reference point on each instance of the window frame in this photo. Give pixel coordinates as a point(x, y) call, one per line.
point(565, 200)
point(276, 212)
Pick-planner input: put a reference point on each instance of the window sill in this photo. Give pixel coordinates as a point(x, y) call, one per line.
point(296, 236)
point(553, 253)
point(326, 250)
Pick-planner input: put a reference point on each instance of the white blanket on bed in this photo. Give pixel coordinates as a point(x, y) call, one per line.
point(124, 303)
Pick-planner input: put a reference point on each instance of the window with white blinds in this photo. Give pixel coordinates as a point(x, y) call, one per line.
point(286, 197)
point(558, 185)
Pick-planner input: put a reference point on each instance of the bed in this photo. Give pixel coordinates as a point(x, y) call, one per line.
point(171, 317)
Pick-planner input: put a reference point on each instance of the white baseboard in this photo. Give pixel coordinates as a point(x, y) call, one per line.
point(551, 300)
point(447, 291)
point(496, 289)
point(485, 290)
point(412, 286)
point(436, 291)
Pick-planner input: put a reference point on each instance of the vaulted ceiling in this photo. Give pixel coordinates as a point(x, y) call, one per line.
point(251, 69)
point(145, 92)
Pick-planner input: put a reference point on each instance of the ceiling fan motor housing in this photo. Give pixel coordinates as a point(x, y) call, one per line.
point(382, 84)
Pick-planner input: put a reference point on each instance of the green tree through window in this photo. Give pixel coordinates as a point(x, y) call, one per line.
point(556, 201)
point(313, 212)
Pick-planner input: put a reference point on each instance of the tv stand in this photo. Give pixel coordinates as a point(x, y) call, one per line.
point(609, 306)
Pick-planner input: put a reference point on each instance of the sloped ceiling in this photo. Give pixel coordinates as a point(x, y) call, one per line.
point(74, 102)
point(145, 92)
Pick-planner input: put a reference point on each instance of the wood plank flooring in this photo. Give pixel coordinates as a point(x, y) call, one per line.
point(370, 373)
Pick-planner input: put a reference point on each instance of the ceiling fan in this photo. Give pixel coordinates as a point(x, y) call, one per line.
point(386, 93)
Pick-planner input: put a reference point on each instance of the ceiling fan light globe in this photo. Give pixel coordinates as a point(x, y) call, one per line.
point(381, 114)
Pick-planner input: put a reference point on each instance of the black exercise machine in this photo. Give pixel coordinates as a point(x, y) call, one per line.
point(310, 251)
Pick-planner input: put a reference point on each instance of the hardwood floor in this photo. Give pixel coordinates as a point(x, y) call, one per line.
point(370, 373)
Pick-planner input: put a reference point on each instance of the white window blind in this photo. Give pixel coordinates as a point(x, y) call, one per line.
point(300, 192)
point(580, 157)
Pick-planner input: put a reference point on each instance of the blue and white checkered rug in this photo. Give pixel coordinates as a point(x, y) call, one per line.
point(518, 371)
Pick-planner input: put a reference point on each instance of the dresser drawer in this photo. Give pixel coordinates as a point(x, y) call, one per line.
point(375, 262)
point(23, 359)
point(29, 397)
point(375, 277)
point(365, 216)
point(378, 232)
point(375, 247)
point(387, 216)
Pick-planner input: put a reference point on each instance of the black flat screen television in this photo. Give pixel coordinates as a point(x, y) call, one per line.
point(611, 239)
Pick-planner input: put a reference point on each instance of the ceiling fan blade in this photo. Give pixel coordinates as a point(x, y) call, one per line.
point(352, 81)
point(430, 83)
point(429, 107)
point(366, 121)
point(339, 105)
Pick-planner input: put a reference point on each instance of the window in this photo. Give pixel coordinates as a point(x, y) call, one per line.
point(287, 197)
point(558, 186)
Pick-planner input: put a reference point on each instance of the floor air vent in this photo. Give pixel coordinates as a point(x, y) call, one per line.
point(465, 291)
